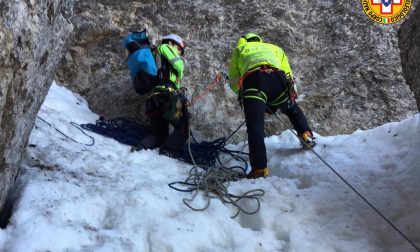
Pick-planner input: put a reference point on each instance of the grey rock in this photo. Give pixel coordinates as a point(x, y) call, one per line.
point(33, 37)
point(348, 68)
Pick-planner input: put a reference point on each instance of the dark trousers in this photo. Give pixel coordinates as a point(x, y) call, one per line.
point(155, 110)
point(273, 85)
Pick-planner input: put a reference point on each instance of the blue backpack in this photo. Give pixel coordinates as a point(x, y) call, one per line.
point(141, 62)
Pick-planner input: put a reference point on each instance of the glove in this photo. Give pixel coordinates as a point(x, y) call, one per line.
point(183, 90)
point(224, 75)
point(182, 93)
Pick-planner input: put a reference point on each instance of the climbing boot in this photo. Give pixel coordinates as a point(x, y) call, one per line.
point(308, 140)
point(167, 152)
point(258, 173)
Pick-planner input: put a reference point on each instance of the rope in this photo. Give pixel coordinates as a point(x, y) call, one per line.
point(210, 87)
point(207, 153)
point(205, 176)
point(76, 126)
point(214, 180)
point(129, 131)
point(350, 186)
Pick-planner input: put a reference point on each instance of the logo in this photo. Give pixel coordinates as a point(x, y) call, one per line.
point(386, 11)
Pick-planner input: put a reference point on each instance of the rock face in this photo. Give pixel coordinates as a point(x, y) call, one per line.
point(34, 35)
point(347, 67)
point(409, 43)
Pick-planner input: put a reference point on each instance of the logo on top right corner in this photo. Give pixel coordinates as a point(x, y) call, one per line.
point(386, 11)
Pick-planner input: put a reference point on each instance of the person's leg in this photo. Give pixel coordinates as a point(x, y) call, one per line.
point(176, 139)
point(177, 115)
point(254, 109)
point(277, 91)
point(154, 112)
point(160, 128)
point(254, 116)
point(296, 116)
point(299, 122)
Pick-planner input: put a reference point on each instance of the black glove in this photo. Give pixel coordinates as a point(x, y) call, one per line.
point(183, 90)
point(182, 93)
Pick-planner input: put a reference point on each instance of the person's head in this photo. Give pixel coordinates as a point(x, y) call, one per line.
point(252, 37)
point(175, 40)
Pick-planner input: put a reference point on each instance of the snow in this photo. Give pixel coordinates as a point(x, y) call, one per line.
point(73, 197)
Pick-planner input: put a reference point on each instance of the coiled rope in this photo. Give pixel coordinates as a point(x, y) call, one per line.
point(214, 180)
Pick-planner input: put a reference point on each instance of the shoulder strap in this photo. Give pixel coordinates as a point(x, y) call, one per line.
point(158, 57)
point(162, 64)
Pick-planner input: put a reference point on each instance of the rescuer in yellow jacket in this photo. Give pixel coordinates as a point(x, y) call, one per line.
point(261, 75)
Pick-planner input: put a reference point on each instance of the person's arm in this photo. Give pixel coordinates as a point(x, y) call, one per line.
point(233, 71)
point(285, 66)
point(174, 59)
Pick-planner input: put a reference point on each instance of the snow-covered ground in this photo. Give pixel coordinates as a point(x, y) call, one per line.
point(72, 197)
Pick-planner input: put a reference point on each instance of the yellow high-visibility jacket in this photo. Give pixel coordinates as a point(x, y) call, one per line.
point(251, 55)
point(176, 72)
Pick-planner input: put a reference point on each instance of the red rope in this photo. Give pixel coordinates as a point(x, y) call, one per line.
point(209, 88)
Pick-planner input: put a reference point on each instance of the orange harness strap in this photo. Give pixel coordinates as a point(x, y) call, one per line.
point(263, 68)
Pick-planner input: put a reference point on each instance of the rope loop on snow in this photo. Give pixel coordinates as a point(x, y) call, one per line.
point(213, 181)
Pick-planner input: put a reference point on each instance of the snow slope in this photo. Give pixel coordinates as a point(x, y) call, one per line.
point(73, 197)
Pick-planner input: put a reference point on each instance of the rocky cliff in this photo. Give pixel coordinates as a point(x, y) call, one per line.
point(348, 68)
point(34, 35)
point(409, 43)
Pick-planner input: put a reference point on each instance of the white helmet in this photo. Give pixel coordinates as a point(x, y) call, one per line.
point(175, 38)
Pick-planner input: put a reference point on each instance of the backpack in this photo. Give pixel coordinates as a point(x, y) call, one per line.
point(141, 62)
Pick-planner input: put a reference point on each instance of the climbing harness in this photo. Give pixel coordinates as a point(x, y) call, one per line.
point(349, 185)
point(253, 93)
point(160, 89)
point(263, 68)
